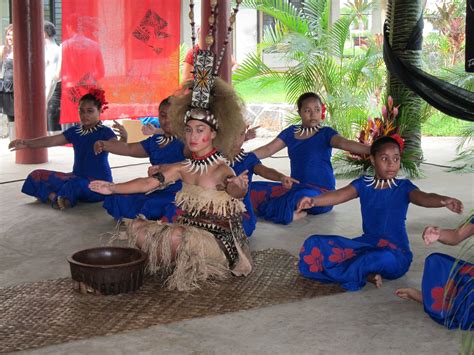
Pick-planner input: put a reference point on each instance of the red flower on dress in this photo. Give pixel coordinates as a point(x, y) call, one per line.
point(384, 243)
point(41, 175)
point(278, 191)
point(314, 260)
point(341, 254)
point(257, 197)
point(467, 270)
point(442, 303)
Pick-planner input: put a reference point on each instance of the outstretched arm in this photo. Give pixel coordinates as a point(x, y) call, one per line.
point(432, 234)
point(340, 142)
point(135, 150)
point(274, 175)
point(270, 148)
point(42, 142)
point(140, 185)
point(329, 198)
point(432, 200)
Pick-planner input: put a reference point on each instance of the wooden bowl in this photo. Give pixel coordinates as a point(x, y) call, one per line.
point(107, 270)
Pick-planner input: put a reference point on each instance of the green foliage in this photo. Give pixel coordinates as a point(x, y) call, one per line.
point(465, 150)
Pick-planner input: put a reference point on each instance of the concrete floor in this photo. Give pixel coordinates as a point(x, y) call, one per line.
point(35, 240)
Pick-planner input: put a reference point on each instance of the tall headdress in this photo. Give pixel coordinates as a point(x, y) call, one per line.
point(210, 99)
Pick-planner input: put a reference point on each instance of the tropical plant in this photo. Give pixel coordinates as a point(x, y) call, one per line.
point(388, 124)
point(313, 50)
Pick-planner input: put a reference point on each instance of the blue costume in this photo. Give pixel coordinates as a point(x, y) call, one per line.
point(382, 249)
point(87, 167)
point(310, 164)
point(242, 162)
point(158, 204)
point(448, 291)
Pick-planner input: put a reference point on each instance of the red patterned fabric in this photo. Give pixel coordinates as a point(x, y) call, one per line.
point(128, 48)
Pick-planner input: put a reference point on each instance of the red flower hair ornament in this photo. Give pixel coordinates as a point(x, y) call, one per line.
point(323, 111)
point(400, 141)
point(99, 94)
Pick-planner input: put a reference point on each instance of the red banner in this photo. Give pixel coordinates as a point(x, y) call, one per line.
point(128, 48)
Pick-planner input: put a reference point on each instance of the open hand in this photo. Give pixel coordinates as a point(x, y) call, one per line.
point(102, 187)
point(241, 181)
point(120, 131)
point(251, 133)
point(149, 130)
point(304, 204)
point(18, 144)
point(453, 204)
point(288, 182)
point(431, 234)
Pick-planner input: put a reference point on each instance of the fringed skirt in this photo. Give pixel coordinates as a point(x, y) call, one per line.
point(203, 253)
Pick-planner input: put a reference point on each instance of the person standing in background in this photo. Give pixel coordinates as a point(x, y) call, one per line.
point(52, 55)
point(6, 92)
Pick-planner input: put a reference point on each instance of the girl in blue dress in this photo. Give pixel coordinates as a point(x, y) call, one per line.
point(447, 288)
point(309, 148)
point(63, 190)
point(161, 148)
point(383, 251)
point(248, 161)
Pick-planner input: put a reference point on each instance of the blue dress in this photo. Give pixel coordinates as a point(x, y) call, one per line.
point(247, 161)
point(448, 291)
point(382, 249)
point(159, 204)
point(310, 161)
point(74, 186)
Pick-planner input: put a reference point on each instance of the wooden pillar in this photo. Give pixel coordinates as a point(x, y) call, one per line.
point(223, 9)
point(28, 54)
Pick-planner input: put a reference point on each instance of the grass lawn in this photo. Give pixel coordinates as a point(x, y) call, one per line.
point(438, 125)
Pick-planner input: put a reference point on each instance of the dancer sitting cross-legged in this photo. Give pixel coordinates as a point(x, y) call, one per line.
point(162, 148)
point(63, 190)
point(447, 288)
point(309, 148)
point(383, 251)
point(207, 240)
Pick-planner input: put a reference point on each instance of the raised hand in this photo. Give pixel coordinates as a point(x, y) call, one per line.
point(241, 181)
point(102, 187)
point(251, 133)
point(304, 204)
point(149, 130)
point(18, 144)
point(453, 204)
point(99, 147)
point(288, 182)
point(431, 234)
point(120, 131)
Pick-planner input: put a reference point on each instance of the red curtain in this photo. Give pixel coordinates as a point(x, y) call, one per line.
point(128, 48)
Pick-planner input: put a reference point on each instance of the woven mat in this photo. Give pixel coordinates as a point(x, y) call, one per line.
point(51, 312)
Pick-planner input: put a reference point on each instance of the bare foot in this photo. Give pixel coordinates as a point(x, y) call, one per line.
point(299, 215)
point(376, 279)
point(63, 203)
point(53, 199)
point(410, 293)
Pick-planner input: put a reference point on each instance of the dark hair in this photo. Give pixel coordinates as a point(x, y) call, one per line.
point(380, 142)
point(305, 96)
point(93, 99)
point(49, 29)
point(164, 102)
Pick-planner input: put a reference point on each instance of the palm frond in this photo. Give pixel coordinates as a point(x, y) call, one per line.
point(251, 67)
point(338, 34)
point(281, 10)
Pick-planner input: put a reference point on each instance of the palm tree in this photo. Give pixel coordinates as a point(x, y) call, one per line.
point(314, 52)
point(403, 16)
